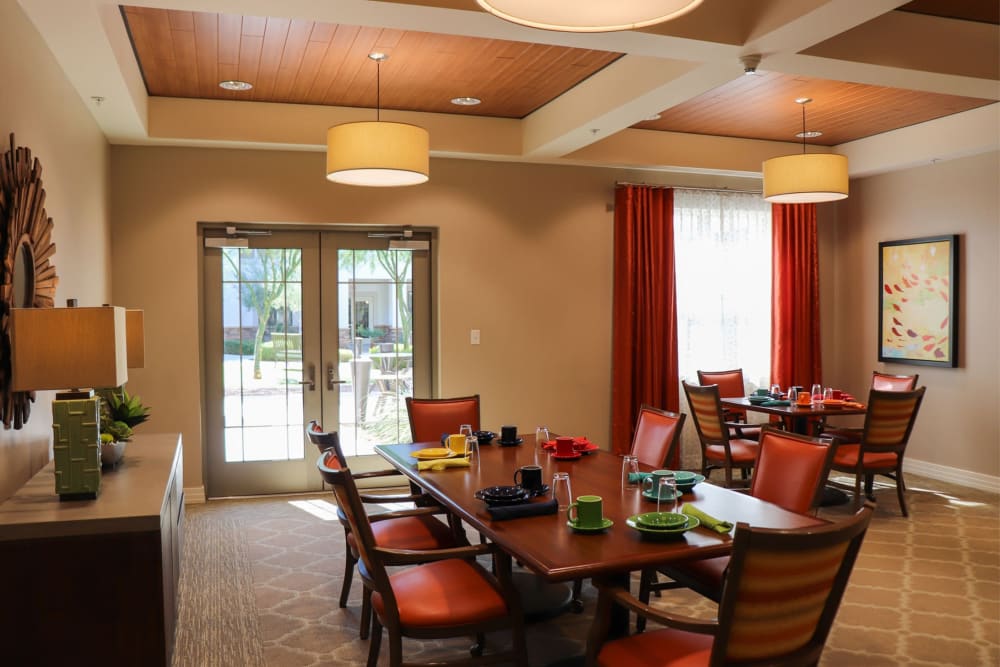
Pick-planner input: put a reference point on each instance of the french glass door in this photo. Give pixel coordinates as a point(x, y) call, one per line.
point(332, 326)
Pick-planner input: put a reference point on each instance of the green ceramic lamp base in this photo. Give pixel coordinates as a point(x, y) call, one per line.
point(76, 446)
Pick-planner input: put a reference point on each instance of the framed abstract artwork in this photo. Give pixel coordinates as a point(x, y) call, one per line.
point(918, 301)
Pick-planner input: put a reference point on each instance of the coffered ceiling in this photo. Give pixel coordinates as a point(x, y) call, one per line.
point(892, 83)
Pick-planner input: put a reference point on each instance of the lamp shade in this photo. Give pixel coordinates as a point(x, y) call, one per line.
point(587, 15)
point(805, 178)
point(135, 338)
point(377, 153)
point(62, 348)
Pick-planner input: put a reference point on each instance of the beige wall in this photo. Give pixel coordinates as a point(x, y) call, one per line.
point(48, 116)
point(959, 423)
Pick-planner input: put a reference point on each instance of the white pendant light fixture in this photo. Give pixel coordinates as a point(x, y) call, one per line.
point(377, 153)
point(805, 178)
point(588, 15)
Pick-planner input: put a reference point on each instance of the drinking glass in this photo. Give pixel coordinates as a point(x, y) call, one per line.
point(630, 472)
point(828, 394)
point(793, 395)
point(775, 391)
point(666, 490)
point(816, 395)
point(561, 490)
point(472, 448)
point(541, 435)
point(465, 429)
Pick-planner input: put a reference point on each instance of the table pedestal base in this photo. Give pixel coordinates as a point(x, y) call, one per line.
point(833, 496)
point(541, 600)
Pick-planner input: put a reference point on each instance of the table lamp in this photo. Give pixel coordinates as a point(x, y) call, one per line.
point(61, 348)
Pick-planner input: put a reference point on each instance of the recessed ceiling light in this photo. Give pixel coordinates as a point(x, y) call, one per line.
point(655, 116)
point(235, 85)
point(810, 134)
point(466, 101)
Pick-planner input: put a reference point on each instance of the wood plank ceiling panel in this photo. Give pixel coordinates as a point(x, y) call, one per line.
point(186, 54)
point(763, 107)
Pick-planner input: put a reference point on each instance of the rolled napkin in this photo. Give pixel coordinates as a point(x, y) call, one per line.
point(519, 511)
point(441, 464)
point(638, 477)
point(707, 520)
point(774, 404)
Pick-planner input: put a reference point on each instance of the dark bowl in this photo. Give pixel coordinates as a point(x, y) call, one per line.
point(502, 492)
point(484, 437)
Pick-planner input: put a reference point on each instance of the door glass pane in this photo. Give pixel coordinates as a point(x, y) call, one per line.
point(375, 290)
point(262, 354)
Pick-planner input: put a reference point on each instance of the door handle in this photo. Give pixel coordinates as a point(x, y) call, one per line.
point(331, 377)
point(311, 380)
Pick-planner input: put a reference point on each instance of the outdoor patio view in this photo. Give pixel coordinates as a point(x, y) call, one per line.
point(263, 343)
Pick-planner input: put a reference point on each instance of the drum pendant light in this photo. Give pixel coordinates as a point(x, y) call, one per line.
point(805, 178)
point(588, 15)
point(377, 153)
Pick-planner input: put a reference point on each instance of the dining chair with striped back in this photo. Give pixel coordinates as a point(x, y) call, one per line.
point(718, 448)
point(790, 471)
point(889, 421)
point(778, 604)
point(402, 529)
point(882, 382)
point(731, 385)
point(449, 594)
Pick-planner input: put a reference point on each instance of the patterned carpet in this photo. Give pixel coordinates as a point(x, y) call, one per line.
point(925, 591)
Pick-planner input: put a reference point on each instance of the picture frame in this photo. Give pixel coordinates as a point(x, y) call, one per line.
point(918, 301)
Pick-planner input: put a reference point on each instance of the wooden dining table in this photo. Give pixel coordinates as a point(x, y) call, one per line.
point(548, 546)
point(798, 416)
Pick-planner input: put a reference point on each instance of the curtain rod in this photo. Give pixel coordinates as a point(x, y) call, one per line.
point(685, 187)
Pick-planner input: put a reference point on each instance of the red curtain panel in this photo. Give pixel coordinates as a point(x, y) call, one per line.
point(644, 347)
point(795, 325)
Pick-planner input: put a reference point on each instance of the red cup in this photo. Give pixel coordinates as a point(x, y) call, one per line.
point(837, 394)
point(564, 446)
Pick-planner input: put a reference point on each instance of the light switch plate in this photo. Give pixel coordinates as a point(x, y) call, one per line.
point(474, 337)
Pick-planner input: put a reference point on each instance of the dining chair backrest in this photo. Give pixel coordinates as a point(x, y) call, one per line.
point(657, 433)
point(783, 590)
point(432, 417)
point(325, 440)
point(707, 412)
point(348, 498)
point(730, 382)
point(791, 470)
point(889, 419)
point(885, 382)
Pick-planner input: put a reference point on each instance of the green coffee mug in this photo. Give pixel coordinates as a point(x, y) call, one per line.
point(587, 512)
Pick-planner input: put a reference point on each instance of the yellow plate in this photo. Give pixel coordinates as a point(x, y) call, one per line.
point(433, 453)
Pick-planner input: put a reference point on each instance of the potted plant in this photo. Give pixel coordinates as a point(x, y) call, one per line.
point(120, 414)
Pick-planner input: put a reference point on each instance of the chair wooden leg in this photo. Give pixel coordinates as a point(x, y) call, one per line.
point(646, 579)
point(857, 491)
point(395, 649)
point(476, 650)
point(901, 490)
point(350, 561)
point(870, 487)
point(576, 603)
point(375, 645)
point(366, 612)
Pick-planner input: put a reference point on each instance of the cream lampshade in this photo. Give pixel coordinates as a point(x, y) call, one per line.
point(588, 15)
point(62, 348)
point(377, 153)
point(805, 178)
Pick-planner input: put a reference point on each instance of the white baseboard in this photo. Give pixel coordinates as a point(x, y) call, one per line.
point(194, 495)
point(951, 475)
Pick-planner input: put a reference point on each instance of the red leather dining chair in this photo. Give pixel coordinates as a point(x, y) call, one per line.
point(405, 529)
point(448, 595)
point(731, 385)
point(778, 605)
point(718, 448)
point(657, 434)
point(882, 382)
point(430, 418)
point(790, 471)
point(889, 421)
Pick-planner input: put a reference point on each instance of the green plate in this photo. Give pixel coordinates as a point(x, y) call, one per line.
point(648, 495)
point(687, 486)
point(605, 524)
point(661, 520)
point(664, 533)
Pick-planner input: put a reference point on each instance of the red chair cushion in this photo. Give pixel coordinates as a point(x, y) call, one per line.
point(657, 648)
point(443, 593)
point(847, 457)
point(409, 532)
point(743, 451)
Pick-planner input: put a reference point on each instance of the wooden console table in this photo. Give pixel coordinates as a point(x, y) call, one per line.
point(94, 582)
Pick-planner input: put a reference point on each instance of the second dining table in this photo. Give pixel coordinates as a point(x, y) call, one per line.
point(548, 546)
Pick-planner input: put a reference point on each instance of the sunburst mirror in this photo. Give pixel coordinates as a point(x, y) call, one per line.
point(28, 277)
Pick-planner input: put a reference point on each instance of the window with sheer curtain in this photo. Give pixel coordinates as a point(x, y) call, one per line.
point(722, 250)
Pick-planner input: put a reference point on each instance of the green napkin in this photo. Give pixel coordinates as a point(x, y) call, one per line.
point(707, 520)
point(638, 477)
point(441, 464)
point(774, 404)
